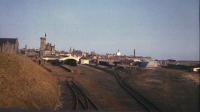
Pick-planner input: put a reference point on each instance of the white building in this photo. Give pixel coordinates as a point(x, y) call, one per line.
point(84, 61)
point(196, 69)
point(150, 64)
point(118, 53)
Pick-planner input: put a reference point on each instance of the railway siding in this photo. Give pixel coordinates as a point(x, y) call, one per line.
point(81, 100)
point(144, 102)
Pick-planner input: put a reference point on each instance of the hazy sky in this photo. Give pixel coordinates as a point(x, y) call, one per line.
point(159, 28)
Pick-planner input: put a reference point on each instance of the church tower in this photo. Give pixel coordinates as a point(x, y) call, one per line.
point(43, 42)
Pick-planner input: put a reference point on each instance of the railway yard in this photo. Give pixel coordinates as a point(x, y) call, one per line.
point(89, 87)
point(98, 88)
point(99, 56)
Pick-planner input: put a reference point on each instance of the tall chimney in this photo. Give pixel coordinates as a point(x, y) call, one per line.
point(134, 52)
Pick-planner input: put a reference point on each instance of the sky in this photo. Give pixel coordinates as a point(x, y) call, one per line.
point(162, 29)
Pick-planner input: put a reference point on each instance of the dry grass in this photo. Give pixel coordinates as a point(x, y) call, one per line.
point(24, 84)
point(170, 90)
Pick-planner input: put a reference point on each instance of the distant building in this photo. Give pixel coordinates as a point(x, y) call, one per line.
point(9, 45)
point(152, 64)
point(196, 69)
point(118, 53)
point(77, 53)
point(46, 49)
point(42, 43)
point(84, 60)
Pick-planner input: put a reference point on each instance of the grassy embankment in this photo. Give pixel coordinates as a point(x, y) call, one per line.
point(26, 85)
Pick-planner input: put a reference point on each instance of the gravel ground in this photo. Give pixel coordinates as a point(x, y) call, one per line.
point(170, 90)
point(101, 87)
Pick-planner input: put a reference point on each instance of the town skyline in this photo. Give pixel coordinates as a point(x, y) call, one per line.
point(163, 30)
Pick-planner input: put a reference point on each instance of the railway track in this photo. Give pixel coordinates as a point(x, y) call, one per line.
point(81, 100)
point(148, 106)
point(66, 68)
point(145, 103)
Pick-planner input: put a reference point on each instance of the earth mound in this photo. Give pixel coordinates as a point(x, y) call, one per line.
point(25, 84)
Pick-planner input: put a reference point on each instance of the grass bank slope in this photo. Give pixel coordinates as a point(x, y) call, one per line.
point(24, 84)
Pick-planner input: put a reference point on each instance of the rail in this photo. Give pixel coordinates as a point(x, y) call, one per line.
point(144, 102)
point(81, 100)
point(65, 68)
point(148, 106)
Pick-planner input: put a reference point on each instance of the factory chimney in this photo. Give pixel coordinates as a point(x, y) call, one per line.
point(134, 53)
